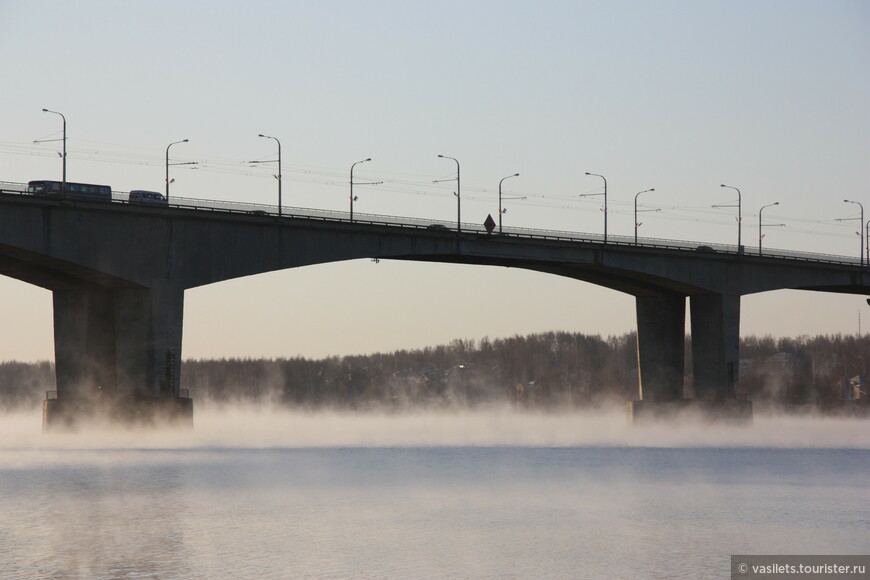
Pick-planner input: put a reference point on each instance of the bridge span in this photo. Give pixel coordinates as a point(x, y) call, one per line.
point(118, 273)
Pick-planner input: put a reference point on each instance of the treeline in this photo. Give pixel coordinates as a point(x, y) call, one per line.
point(551, 367)
point(554, 369)
point(23, 385)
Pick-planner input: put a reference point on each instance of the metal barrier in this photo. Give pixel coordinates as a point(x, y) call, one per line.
point(12, 186)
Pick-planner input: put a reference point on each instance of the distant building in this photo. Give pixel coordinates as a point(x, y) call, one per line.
point(525, 391)
point(857, 388)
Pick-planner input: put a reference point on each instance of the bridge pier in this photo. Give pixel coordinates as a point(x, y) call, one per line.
point(117, 357)
point(84, 339)
point(715, 324)
point(661, 338)
point(715, 320)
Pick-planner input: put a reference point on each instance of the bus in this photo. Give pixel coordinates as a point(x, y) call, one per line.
point(70, 190)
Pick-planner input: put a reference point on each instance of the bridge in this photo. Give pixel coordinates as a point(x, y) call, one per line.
point(118, 272)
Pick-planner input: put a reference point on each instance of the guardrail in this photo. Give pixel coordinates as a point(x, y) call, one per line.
point(270, 211)
point(12, 186)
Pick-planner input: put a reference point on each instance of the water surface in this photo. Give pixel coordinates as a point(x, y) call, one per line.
point(593, 501)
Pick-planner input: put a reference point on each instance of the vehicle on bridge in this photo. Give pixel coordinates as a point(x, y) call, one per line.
point(147, 197)
point(70, 190)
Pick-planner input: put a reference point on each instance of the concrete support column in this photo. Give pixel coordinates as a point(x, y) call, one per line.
point(84, 341)
point(167, 324)
point(118, 356)
point(133, 321)
point(715, 345)
point(661, 323)
point(125, 340)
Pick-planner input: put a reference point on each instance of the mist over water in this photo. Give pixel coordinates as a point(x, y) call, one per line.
point(254, 492)
point(253, 426)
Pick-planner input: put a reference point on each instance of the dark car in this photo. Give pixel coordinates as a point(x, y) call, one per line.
point(145, 196)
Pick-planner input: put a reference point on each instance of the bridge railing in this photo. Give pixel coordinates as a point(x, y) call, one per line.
point(267, 211)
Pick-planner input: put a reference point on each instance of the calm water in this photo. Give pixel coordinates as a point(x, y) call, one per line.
point(368, 507)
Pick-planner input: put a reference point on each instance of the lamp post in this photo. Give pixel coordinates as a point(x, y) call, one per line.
point(352, 198)
point(605, 202)
point(860, 229)
point(167, 164)
point(635, 212)
point(867, 240)
point(458, 193)
point(500, 208)
point(351, 184)
point(739, 216)
point(759, 223)
point(63, 156)
point(279, 176)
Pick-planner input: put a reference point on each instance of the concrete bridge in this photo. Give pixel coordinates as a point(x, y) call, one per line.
point(118, 273)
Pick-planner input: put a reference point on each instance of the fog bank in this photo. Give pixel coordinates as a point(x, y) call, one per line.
point(263, 427)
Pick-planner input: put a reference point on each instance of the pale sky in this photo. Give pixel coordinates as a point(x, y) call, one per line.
point(768, 96)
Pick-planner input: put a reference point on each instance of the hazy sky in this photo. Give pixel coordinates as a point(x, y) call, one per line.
point(772, 97)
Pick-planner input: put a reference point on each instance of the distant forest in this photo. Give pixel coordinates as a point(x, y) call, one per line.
point(553, 369)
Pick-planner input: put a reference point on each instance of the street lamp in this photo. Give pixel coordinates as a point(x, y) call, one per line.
point(167, 164)
point(759, 224)
point(739, 216)
point(605, 201)
point(63, 156)
point(351, 184)
point(352, 198)
point(279, 176)
point(860, 229)
point(635, 212)
point(867, 239)
point(500, 209)
point(458, 193)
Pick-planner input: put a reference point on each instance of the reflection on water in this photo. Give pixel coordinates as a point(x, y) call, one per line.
point(355, 504)
point(92, 521)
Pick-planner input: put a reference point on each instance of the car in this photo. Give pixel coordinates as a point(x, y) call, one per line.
point(148, 197)
point(437, 227)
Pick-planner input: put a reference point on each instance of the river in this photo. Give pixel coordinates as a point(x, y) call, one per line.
point(254, 493)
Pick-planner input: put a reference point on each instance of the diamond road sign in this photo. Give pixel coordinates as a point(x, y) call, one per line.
point(489, 224)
